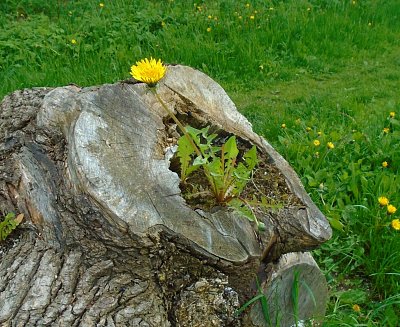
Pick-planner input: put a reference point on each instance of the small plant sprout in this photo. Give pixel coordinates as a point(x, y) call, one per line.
point(8, 224)
point(225, 174)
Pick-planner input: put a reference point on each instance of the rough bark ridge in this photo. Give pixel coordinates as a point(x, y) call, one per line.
point(108, 240)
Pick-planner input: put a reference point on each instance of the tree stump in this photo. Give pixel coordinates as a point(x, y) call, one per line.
point(108, 239)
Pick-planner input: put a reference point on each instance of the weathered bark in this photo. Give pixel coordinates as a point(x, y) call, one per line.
point(108, 239)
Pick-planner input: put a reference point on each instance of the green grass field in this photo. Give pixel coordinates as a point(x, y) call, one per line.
point(329, 70)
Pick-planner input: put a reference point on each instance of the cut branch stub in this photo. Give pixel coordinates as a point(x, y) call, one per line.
point(296, 291)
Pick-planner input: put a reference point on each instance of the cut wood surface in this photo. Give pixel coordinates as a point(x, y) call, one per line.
point(108, 238)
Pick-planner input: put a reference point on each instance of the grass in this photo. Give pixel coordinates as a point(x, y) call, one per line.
point(327, 66)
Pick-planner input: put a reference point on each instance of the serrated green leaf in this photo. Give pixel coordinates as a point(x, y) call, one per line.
point(250, 157)
point(184, 153)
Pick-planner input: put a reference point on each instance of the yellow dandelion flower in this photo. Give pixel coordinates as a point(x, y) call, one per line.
point(369, 24)
point(386, 130)
point(73, 41)
point(391, 209)
point(392, 114)
point(396, 224)
point(317, 142)
point(308, 9)
point(208, 29)
point(356, 308)
point(308, 129)
point(385, 164)
point(148, 71)
point(383, 201)
point(101, 5)
point(247, 5)
point(353, 2)
point(209, 16)
point(283, 125)
point(330, 145)
point(316, 154)
point(252, 17)
point(319, 133)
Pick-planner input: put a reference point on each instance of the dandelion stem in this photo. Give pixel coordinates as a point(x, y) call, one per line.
point(176, 120)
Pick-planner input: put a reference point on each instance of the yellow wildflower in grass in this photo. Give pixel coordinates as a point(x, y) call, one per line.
point(209, 16)
point(385, 164)
point(73, 41)
point(383, 201)
point(317, 142)
point(101, 5)
point(319, 133)
point(330, 145)
point(392, 114)
point(148, 71)
point(308, 9)
point(316, 154)
point(247, 5)
point(308, 129)
point(209, 29)
point(356, 308)
point(386, 130)
point(395, 224)
point(252, 17)
point(391, 209)
point(283, 126)
point(163, 24)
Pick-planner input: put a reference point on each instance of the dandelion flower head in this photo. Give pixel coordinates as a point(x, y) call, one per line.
point(383, 200)
point(317, 142)
point(391, 209)
point(385, 164)
point(386, 130)
point(356, 308)
point(396, 224)
point(148, 71)
point(330, 145)
point(392, 114)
